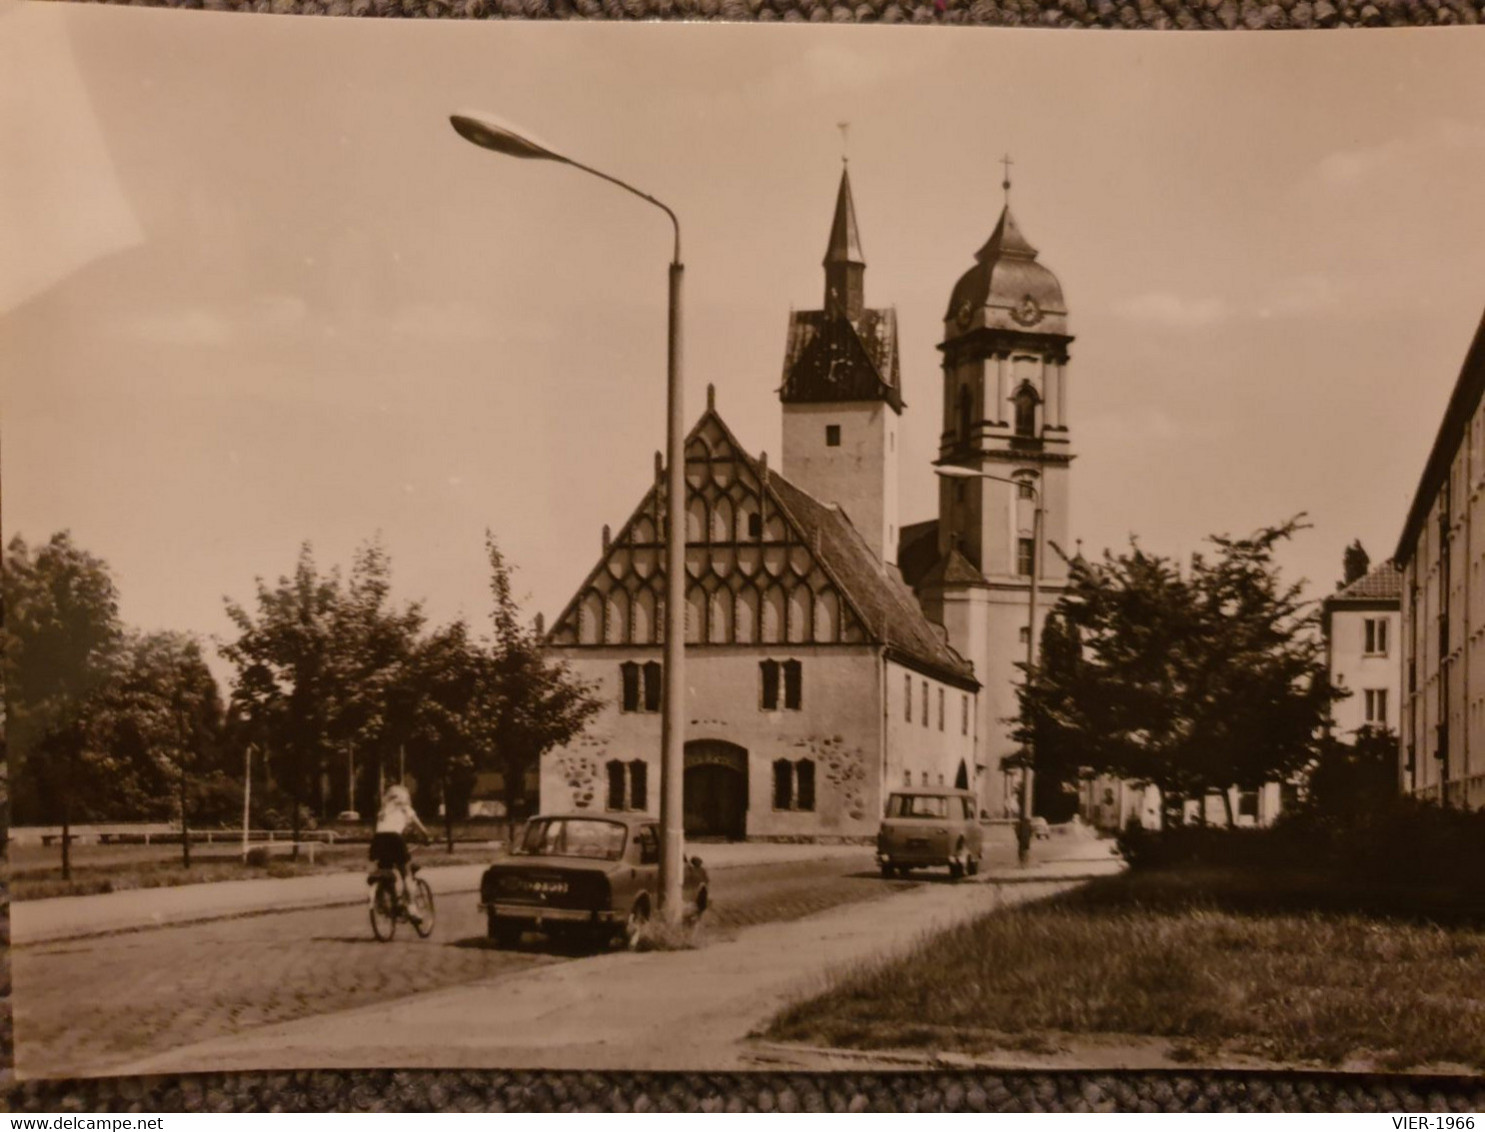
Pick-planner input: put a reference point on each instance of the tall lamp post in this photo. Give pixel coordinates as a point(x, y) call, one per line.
point(954, 471)
point(502, 139)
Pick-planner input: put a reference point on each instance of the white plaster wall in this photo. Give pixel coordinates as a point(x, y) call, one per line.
point(860, 474)
point(916, 750)
point(1354, 669)
point(840, 727)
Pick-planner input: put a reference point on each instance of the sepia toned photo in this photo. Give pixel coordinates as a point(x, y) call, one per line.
point(1064, 650)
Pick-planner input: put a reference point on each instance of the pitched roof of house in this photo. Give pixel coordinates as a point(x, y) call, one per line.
point(873, 594)
point(888, 609)
point(917, 550)
point(830, 358)
point(1468, 390)
point(1381, 583)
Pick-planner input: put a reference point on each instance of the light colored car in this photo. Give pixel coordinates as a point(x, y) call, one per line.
point(930, 828)
point(582, 873)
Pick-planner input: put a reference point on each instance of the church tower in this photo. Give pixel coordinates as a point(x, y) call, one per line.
point(1005, 361)
point(842, 394)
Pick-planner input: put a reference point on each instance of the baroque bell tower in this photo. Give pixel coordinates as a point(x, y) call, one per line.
point(1005, 371)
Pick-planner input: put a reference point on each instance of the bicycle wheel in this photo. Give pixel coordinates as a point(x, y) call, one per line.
point(423, 905)
point(383, 911)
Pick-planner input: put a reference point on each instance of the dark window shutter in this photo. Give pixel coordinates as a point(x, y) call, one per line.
point(639, 785)
point(629, 671)
point(783, 785)
point(769, 670)
point(652, 686)
point(793, 684)
point(805, 773)
point(616, 785)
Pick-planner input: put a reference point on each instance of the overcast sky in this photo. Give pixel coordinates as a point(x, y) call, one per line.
point(255, 290)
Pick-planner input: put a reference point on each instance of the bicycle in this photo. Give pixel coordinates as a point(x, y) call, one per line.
point(386, 908)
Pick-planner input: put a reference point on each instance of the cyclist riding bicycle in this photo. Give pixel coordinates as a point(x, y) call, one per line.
point(389, 843)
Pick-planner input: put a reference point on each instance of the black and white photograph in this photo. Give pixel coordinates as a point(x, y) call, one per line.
point(1066, 650)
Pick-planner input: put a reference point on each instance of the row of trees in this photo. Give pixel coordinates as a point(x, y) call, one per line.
point(1195, 680)
point(107, 723)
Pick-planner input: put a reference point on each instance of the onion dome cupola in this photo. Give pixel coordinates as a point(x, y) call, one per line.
point(1007, 288)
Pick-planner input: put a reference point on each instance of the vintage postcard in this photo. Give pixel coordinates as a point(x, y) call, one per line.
point(1064, 650)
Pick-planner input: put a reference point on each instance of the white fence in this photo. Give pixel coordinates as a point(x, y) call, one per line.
point(160, 834)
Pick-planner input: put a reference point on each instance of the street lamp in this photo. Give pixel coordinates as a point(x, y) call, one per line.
point(501, 139)
point(954, 471)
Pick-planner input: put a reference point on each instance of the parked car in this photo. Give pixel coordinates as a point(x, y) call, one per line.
point(929, 828)
point(581, 873)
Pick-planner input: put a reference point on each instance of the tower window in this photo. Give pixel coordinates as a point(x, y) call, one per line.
point(1025, 556)
point(1026, 401)
point(832, 436)
point(1024, 490)
point(966, 410)
point(964, 720)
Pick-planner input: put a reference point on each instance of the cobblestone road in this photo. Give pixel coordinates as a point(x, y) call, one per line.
point(84, 1005)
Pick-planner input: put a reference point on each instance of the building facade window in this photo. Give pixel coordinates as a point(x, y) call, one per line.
point(786, 678)
point(1376, 636)
point(794, 785)
point(653, 685)
point(1376, 707)
point(1025, 553)
point(1248, 804)
point(964, 716)
point(940, 709)
point(832, 436)
point(629, 677)
point(907, 697)
point(925, 703)
point(628, 785)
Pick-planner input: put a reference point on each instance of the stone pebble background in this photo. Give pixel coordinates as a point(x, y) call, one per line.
point(323, 1091)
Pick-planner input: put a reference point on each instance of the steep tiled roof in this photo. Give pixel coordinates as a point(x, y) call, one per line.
point(1383, 583)
point(1468, 390)
point(917, 550)
point(951, 570)
point(830, 358)
point(892, 615)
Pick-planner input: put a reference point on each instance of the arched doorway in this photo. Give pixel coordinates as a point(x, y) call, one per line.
point(716, 789)
point(961, 780)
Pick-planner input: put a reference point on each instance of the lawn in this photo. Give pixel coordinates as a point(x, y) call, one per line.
point(1213, 961)
point(36, 873)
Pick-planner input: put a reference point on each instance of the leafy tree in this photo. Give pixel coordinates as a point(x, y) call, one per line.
point(62, 645)
point(373, 646)
point(1355, 564)
point(449, 677)
point(284, 656)
point(531, 703)
point(1354, 778)
point(1195, 681)
point(158, 725)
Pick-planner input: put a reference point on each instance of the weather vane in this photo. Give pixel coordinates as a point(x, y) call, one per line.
point(845, 141)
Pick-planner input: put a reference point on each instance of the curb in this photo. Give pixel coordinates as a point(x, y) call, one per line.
point(68, 936)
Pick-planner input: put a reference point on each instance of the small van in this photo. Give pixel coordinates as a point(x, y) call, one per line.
point(930, 828)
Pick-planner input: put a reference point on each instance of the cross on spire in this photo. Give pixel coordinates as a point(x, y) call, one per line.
point(845, 141)
point(1006, 182)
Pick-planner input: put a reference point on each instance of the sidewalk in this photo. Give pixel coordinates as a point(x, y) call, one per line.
point(658, 1011)
point(77, 917)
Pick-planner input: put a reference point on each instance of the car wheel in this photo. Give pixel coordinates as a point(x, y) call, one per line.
point(889, 871)
point(503, 933)
point(972, 866)
point(956, 862)
point(634, 926)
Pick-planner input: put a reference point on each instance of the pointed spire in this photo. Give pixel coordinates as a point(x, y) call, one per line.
point(845, 240)
point(1006, 240)
point(845, 266)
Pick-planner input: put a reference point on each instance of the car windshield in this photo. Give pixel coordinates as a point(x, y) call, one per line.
point(918, 806)
point(574, 837)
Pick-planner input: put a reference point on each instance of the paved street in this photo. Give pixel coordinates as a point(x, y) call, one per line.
point(84, 1005)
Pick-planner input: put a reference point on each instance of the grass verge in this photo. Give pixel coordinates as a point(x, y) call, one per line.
point(39, 883)
point(1188, 955)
